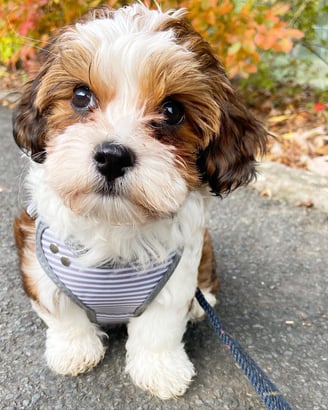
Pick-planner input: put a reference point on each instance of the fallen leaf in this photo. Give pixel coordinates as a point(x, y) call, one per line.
point(307, 204)
point(266, 193)
point(319, 107)
point(322, 150)
point(279, 118)
point(288, 135)
point(313, 132)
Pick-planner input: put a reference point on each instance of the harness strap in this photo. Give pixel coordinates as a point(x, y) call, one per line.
point(268, 392)
point(108, 293)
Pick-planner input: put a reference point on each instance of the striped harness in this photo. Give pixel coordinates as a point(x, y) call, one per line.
point(109, 294)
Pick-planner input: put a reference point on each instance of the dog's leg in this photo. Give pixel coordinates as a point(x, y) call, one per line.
point(208, 282)
point(156, 359)
point(74, 344)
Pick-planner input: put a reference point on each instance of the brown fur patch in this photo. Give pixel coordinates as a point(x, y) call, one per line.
point(207, 278)
point(24, 230)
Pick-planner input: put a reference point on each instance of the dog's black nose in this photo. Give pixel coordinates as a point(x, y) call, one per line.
point(113, 160)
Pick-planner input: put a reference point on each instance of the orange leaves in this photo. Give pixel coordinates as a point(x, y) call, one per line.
point(301, 138)
point(22, 16)
point(278, 37)
point(24, 25)
point(224, 8)
point(277, 10)
point(237, 35)
point(20, 19)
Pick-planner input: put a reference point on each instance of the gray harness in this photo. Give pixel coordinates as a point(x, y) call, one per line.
point(109, 294)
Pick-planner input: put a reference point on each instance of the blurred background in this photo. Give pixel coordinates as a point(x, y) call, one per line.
point(275, 53)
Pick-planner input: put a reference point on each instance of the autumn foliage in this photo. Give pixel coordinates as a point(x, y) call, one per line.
point(238, 35)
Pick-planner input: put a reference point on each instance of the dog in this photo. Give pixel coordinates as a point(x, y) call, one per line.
point(131, 126)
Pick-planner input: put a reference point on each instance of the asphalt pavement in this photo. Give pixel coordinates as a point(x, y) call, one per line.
point(272, 260)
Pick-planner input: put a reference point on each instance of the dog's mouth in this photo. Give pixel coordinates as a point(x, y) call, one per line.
point(109, 188)
point(127, 200)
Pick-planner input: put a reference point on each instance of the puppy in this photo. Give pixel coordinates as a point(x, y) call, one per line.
point(130, 125)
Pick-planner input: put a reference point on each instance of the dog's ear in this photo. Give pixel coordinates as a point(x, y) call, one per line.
point(228, 161)
point(29, 122)
point(230, 135)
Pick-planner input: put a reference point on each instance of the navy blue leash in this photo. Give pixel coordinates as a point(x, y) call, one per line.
point(268, 392)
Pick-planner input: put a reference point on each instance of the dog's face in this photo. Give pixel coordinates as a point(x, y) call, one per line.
point(129, 112)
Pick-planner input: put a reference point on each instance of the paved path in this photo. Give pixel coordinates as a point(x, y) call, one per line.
point(273, 265)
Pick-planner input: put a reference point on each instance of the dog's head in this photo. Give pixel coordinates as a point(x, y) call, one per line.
point(129, 111)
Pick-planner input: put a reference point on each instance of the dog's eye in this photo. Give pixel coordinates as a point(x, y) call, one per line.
point(83, 98)
point(173, 112)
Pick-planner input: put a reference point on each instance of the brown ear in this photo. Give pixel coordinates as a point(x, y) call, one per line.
point(29, 123)
point(235, 137)
point(229, 159)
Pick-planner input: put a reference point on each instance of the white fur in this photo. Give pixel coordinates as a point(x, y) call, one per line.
point(104, 240)
point(156, 359)
point(197, 312)
point(135, 19)
point(74, 344)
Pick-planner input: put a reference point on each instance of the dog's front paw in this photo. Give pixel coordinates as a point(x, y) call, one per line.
point(165, 374)
point(72, 353)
